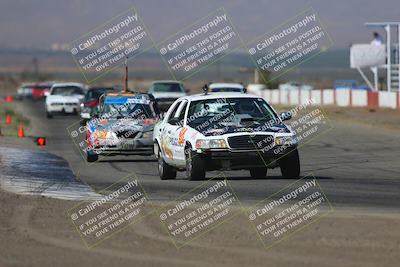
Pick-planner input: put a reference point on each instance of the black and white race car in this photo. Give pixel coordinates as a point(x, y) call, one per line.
point(224, 131)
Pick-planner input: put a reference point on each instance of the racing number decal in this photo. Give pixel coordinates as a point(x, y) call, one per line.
point(164, 145)
point(167, 150)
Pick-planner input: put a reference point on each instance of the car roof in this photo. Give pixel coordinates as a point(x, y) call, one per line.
point(224, 85)
point(107, 88)
point(126, 94)
point(166, 81)
point(68, 84)
point(216, 95)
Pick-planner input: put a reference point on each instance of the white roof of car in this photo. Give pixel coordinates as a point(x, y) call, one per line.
point(225, 85)
point(68, 84)
point(166, 81)
point(218, 95)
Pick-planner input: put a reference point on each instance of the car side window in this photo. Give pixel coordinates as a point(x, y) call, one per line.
point(171, 114)
point(182, 111)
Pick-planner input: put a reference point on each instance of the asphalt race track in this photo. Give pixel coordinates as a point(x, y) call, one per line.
point(356, 165)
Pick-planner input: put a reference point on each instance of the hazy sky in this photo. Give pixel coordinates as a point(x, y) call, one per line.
point(39, 23)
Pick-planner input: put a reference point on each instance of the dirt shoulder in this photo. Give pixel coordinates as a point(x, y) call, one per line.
point(38, 233)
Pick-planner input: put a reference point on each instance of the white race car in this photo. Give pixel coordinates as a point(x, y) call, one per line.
point(224, 131)
point(166, 92)
point(64, 98)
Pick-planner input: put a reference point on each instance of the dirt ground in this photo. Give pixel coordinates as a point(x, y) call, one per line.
point(36, 232)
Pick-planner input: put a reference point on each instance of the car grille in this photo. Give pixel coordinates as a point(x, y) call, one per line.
point(127, 134)
point(60, 104)
point(250, 142)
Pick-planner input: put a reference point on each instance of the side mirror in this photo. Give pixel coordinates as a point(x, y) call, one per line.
point(161, 115)
point(286, 116)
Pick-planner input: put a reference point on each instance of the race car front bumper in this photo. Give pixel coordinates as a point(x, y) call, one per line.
point(140, 146)
point(63, 107)
point(243, 159)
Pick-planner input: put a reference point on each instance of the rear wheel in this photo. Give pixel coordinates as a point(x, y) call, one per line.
point(164, 170)
point(195, 165)
point(258, 172)
point(290, 165)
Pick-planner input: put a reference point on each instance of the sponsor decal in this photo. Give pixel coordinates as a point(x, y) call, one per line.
point(181, 138)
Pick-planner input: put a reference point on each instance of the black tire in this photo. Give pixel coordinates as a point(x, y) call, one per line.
point(91, 156)
point(290, 165)
point(165, 171)
point(49, 115)
point(195, 165)
point(258, 173)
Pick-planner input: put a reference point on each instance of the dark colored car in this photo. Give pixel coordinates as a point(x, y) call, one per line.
point(91, 101)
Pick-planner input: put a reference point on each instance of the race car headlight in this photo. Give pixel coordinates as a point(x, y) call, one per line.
point(210, 143)
point(147, 135)
point(285, 140)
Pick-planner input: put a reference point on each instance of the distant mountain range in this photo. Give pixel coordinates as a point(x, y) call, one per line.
point(330, 65)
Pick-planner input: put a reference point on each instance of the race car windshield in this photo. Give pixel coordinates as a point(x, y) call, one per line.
point(67, 91)
point(168, 88)
point(95, 94)
point(226, 89)
point(228, 110)
point(131, 111)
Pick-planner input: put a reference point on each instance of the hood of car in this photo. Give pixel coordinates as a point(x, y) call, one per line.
point(246, 128)
point(122, 125)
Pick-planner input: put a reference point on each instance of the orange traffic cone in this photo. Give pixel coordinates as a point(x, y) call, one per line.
point(8, 119)
point(21, 133)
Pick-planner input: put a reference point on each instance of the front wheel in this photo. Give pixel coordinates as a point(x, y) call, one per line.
point(164, 170)
point(91, 156)
point(195, 165)
point(290, 165)
point(258, 173)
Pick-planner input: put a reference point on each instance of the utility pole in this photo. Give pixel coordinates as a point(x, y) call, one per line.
point(126, 75)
